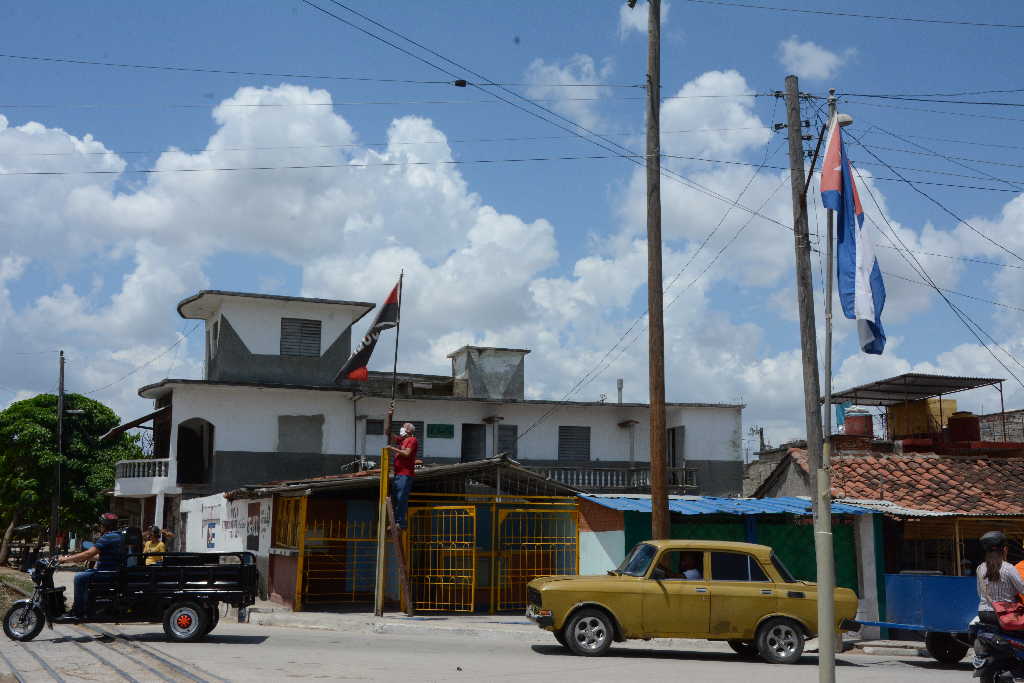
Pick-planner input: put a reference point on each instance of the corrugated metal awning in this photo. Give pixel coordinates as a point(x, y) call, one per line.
point(911, 386)
point(710, 505)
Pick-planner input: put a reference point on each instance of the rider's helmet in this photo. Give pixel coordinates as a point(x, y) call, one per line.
point(108, 521)
point(993, 540)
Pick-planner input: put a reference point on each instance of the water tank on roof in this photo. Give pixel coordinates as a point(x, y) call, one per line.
point(964, 426)
point(858, 423)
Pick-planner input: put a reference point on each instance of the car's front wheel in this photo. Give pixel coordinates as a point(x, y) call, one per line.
point(589, 633)
point(780, 641)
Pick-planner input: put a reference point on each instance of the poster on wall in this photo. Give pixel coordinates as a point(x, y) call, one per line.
point(252, 528)
point(211, 535)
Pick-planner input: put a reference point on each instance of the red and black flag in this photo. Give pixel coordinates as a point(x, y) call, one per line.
point(388, 317)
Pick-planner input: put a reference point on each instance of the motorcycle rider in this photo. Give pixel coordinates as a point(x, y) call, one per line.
point(998, 580)
point(109, 550)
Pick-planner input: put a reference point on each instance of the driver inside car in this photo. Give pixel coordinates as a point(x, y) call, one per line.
point(107, 551)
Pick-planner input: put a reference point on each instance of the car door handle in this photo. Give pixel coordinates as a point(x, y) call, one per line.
point(701, 590)
point(766, 591)
point(795, 594)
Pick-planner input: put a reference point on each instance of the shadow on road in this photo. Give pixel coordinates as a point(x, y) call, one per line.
point(636, 653)
point(213, 638)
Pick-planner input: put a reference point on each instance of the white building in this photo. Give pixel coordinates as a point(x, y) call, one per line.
point(268, 409)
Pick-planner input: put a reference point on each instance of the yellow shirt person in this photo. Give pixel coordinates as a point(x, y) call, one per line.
point(154, 547)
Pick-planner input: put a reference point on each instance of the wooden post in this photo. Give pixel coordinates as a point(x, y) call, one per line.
point(655, 303)
point(403, 570)
point(382, 516)
point(300, 562)
point(821, 499)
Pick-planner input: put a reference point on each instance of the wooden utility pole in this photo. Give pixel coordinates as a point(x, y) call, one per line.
point(55, 494)
point(655, 306)
point(812, 387)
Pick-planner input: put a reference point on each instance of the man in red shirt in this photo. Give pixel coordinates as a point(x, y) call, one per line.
point(405, 470)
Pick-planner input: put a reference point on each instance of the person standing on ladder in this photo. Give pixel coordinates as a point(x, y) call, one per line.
point(405, 470)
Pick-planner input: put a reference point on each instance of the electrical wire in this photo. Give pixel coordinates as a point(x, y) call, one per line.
point(958, 258)
point(146, 364)
point(953, 291)
point(972, 326)
point(970, 115)
point(231, 72)
point(580, 131)
point(854, 15)
point(439, 141)
point(907, 98)
point(933, 94)
point(941, 205)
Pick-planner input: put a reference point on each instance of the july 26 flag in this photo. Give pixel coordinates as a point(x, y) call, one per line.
point(861, 290)
point(387, 317)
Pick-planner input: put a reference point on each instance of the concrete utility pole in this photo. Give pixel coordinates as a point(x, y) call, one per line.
point(655, 305)
point(812, 389)
point(55, 497)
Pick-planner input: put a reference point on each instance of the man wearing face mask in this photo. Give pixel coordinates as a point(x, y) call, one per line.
point(405, 470)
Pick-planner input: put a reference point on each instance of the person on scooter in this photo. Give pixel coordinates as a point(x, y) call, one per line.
point(108, 551)
point(998, 580)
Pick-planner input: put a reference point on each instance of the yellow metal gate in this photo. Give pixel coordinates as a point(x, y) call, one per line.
point(532, 543)
point(339, 560)
point(442, 557)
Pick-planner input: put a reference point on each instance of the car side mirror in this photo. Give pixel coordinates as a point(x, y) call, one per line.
point(658, 574)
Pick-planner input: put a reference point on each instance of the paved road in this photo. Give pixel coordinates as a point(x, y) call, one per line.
point(240, 652)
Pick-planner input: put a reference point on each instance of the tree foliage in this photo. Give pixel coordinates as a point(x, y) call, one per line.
point(28, 453)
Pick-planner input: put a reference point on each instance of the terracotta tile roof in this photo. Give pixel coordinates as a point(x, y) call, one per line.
point(926, 481)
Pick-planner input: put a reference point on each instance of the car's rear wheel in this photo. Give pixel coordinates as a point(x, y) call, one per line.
point(186, 621)
point(780, 641)
point(744, 648)
point(589, 633)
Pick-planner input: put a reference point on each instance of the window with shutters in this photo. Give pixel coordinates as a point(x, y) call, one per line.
point(375, 427)
point(508, 435)
point(574, 444)
point(300, 337)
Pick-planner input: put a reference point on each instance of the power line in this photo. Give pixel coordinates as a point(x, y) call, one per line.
point(332, 104)
point(933, 153)
point(941, 205)
point(972, 326)
point(934, 94)
point(907, 98)
point(958, 258)
point(576, 128)
point(833, 13)
point(439, 141)
point(146, 364)
point(232, 72)
point(953, 291)
point(970, 115)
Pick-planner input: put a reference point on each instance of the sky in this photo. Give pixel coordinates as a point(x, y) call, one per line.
point(338, 160)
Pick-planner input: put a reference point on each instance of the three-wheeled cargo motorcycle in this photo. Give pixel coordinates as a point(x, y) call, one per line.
point(183, 592)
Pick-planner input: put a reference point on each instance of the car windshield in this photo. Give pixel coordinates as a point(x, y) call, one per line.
point(786, 576)
point(638, 560)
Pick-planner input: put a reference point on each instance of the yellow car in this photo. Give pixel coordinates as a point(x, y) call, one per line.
point(719, 590)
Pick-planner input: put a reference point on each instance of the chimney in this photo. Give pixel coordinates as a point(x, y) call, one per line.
point(618, 383)
point(489, 373)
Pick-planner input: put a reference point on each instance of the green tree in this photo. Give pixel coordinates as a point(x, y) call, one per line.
point(28, 453)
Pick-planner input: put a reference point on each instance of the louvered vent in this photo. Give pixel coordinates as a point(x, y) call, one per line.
point(300, 337)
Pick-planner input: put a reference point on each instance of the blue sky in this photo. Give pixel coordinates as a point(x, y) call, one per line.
point(542, 254)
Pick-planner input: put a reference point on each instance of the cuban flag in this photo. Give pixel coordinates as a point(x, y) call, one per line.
point(861, 290)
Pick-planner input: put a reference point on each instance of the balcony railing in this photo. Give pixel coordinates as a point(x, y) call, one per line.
point(132, 469)
point(615, 478)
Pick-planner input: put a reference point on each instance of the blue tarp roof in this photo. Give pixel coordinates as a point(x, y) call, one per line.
point(709, 505)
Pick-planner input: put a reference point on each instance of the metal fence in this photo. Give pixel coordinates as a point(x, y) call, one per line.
point(532, 543)
point(442, 558)
point(339, 562)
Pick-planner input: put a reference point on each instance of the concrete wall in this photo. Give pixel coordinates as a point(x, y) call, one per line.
point(992, 426)
point(258, 321)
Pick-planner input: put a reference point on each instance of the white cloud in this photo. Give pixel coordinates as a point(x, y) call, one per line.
point(809, 60)
point(635, 20)
point(565, 88)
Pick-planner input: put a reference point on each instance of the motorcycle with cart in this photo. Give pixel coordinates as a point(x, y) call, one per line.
point(183, 592)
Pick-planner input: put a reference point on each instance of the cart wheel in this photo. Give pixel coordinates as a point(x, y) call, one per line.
point(214, 618)
point(944, 647)
point(186, 621)
point(23, 621)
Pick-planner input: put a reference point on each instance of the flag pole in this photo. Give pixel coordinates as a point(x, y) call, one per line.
point(385, 456)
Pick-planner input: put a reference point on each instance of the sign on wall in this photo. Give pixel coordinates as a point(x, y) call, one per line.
point(211, 535)
point(252, 528)
point(440, 431)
